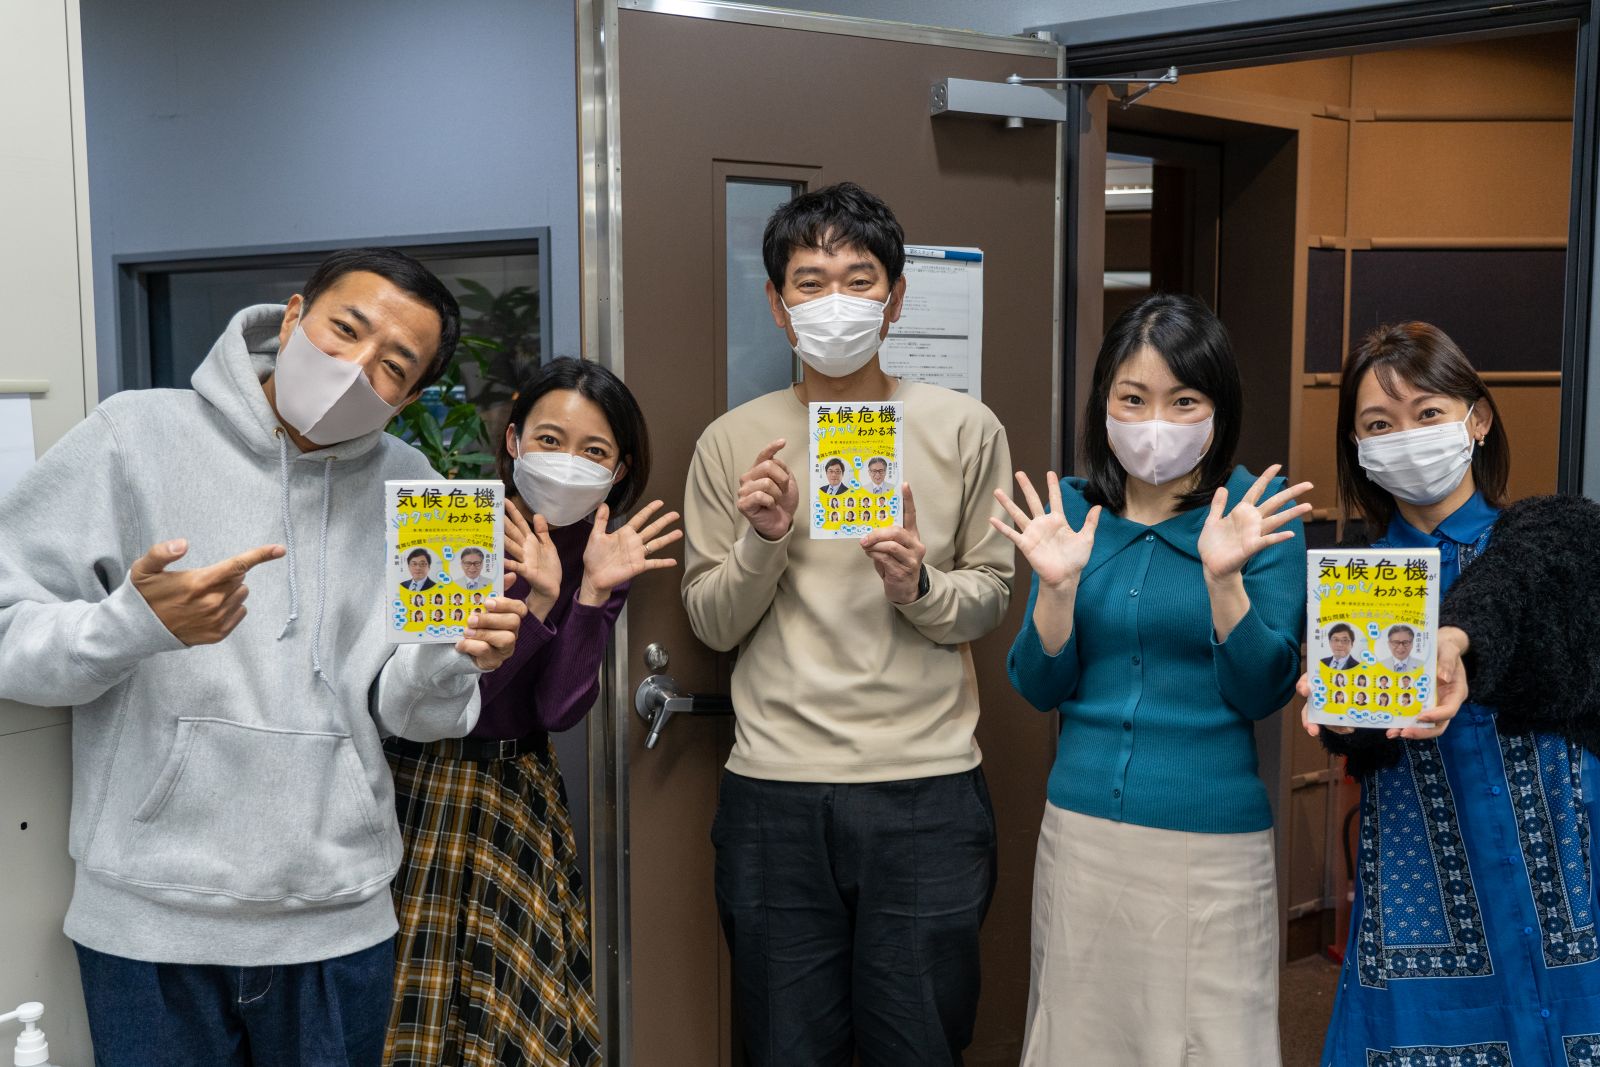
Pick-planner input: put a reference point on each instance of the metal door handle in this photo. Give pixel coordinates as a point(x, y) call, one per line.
point(659, 698)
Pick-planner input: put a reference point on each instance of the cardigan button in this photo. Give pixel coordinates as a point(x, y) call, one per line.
point(1116, 793)
point(1133, 592)
point(1149, 537)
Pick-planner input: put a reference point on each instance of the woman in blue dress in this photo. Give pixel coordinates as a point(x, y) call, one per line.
point(1473, 937)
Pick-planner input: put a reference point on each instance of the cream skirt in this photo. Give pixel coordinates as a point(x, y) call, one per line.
point(1152, 948)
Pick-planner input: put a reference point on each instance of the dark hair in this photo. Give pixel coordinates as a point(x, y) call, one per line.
point(409, 275)
point(1195, 346)
point(424, 553)
point(1422, 356)
point(838, 216)
point(878, 459)
point(1397, 629)
point(616, 403)
point(471, 551)
point(832, 463)
point(1340, 628)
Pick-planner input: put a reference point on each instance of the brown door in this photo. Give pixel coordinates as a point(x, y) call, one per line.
point(721, 117)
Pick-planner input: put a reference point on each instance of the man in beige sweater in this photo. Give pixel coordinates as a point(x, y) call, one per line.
point(854, 835)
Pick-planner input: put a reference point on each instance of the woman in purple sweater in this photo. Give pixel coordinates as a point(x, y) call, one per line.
point(493, 951)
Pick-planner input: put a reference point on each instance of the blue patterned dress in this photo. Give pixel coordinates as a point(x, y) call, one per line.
point(1473, 937)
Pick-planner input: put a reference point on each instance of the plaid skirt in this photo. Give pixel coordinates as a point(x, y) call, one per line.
point(492, 959)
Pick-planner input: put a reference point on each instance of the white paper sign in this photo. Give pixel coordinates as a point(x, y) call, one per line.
point(939, 338)
point(16, 439)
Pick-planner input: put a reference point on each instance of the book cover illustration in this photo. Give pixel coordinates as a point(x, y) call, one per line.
point(444, 556)
point(856, 468)
point(1371, 619)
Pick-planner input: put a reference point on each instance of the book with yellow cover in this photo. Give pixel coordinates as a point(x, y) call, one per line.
point(445, 556)
point(856, 468)
point(1372, 617)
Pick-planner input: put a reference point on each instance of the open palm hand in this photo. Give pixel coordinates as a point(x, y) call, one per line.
point(613, 557)
point(1056, 552)
point(1227, 542)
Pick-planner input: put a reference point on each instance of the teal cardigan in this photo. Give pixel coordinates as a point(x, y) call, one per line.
point(1157, 717)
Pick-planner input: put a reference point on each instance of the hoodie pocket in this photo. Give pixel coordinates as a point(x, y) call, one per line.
point(253, 813)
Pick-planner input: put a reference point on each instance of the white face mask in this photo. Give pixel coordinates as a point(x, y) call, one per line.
point(836, 334)
point(1421, 466)
point(327, 400)
point(1158, 452)
point(560, 486)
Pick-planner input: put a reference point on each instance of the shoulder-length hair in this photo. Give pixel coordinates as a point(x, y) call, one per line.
point(1195, 346)
point(1426, 359)
point(615, 402)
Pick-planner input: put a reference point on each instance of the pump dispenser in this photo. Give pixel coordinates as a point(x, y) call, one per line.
point(31, 1051)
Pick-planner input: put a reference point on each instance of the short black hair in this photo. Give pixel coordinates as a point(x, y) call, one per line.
point(616, 403)
point(832, 463)
point(837, 216)
point(409, 275)
point(1401, 629)
point(1424, 357)
point(471, 551)
point(1340, 628)
point(1195, 346)
point(424, 553)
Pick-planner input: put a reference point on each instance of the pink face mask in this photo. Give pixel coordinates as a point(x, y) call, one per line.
point(327, 400)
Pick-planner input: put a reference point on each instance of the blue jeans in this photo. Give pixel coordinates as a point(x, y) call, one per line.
point(332, 1013)
point(852, 916)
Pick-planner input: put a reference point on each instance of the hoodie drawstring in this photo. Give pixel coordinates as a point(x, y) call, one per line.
point(322, 554)
point(288, 532)
point(322, 571)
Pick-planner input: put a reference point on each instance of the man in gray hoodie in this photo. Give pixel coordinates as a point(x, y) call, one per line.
point(233, 819)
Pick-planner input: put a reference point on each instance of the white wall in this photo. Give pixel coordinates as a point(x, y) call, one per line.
point(45, 304)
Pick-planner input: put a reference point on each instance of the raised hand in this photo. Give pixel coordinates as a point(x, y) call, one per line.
point(1056, 552)
point(202, 606)
point(491, 634)
point(1228, 541)
point(615, 556)
point(768, 493)
point(532, 556)
point(897, 553)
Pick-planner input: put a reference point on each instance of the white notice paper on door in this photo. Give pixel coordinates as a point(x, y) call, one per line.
point(939, 338)
point(16, 439)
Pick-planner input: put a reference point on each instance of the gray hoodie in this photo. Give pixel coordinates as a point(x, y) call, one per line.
point(230, 802)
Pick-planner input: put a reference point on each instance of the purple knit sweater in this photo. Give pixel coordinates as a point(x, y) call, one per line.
point(552, 678)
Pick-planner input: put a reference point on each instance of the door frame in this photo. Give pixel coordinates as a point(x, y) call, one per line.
point(600, 195)
point(1213, 36)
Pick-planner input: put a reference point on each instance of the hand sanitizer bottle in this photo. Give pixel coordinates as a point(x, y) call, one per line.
point(31, 1050)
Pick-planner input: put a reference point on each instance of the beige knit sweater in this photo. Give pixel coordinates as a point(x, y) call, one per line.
point(833, 682)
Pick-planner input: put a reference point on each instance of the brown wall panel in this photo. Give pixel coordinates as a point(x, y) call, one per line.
point(1127, 240)
point(1308, 834)
point(1460, 179)
point(1505, 76)
point(1532, 415)
point(1319, 408)
point(1314, 81)
point(1330, 171)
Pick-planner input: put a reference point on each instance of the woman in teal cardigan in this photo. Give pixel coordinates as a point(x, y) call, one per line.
point(1163, 623)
